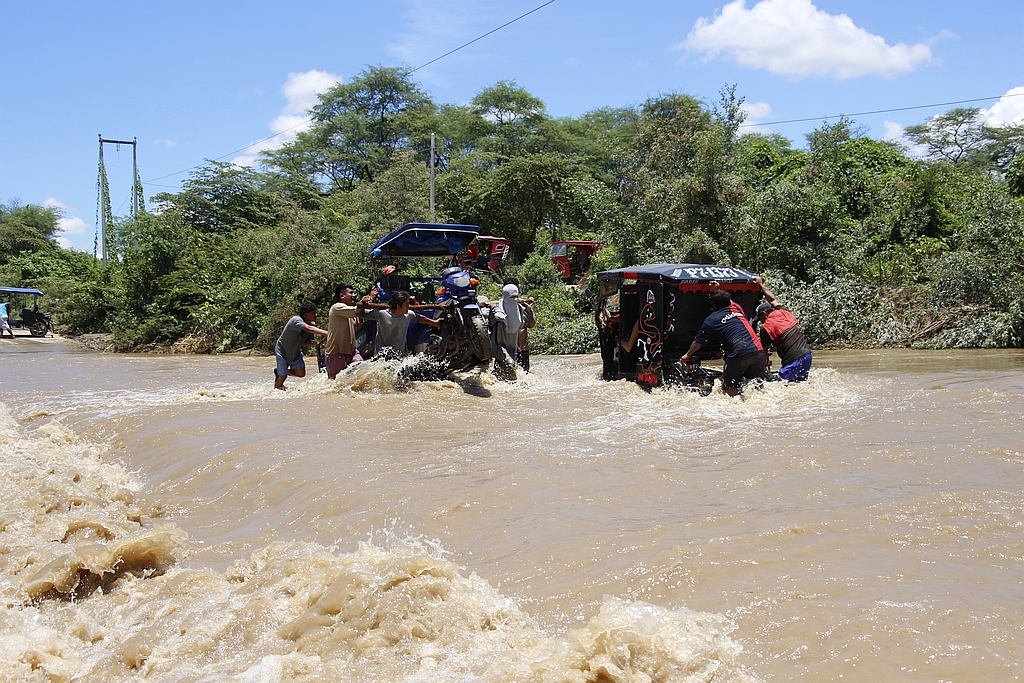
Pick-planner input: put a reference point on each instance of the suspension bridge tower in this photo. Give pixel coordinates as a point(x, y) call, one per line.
point(104, 216)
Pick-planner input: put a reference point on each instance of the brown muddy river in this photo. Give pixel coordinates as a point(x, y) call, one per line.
point(174, 518)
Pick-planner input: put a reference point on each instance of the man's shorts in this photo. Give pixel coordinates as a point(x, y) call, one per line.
point(336, 362)
point(738, 370)
point(4, 324)
point(284, 366)
point(797, 370)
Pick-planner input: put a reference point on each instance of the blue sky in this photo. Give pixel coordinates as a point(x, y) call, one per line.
point(198, 80)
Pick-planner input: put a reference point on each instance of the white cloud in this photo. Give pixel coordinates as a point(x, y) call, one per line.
point(755, 113)
point(54, 203)
point(72, 226)
point(795, 38)
point(897, 132)
point(894, 131)
point(302, 91)
point(165, 143)
point(65, 243)
point(1009, 109)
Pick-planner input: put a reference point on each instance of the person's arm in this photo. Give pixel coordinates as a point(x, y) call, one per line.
point(428, 321)
point(694, 348)
point(715, 286)
point(314, 330)
point(769, 297)
point(631, 342)
point(531, 319)
point(766, 344)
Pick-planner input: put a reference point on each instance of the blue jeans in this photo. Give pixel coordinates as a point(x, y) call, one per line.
point(797, 370)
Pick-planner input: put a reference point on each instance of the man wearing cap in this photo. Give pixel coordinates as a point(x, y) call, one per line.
point(728, 326)
point(779, 327)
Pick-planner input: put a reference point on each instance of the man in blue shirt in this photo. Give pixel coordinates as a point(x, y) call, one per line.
point(728, 325)
point(4, 319)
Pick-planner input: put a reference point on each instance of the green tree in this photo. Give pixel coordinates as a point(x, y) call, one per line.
point(954, 136)
point(26, 228)
point(681, 185)
point(358, 127)
point(224, 198)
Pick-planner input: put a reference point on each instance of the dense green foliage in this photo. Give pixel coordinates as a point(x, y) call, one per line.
point(867, 244)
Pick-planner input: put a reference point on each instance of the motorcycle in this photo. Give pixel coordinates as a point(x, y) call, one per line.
point(461, 340)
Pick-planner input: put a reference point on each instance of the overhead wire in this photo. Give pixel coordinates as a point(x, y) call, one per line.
point(879, 111)
point(542, 6)
point(306, 120)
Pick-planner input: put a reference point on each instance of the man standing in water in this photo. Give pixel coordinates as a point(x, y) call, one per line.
point(728, 325)
point(298, 332)
point(393, 324)
point(528, 319)
point(779, 327)
point(341, 348)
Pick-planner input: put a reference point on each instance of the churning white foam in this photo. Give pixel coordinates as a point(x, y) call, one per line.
point(93, 590)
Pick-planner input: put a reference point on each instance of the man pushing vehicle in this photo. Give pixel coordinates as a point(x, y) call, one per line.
point(779, 327)
point(728, 325)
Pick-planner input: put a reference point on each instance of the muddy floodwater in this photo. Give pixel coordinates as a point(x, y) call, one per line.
point(174, 518)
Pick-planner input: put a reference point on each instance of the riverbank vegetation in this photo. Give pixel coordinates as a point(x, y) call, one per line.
point(869, 242)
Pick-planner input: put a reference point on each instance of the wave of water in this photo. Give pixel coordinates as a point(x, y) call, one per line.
point(94, 589)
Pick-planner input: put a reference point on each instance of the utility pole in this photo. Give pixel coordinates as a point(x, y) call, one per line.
point(432, 177)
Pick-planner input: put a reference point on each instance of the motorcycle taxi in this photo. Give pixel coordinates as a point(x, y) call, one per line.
point(32, 319)
point(461, 340)
point(667, 302)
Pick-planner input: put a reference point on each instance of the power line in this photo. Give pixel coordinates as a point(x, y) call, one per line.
point(880, 111)
point(508, 23)
point(306, 120)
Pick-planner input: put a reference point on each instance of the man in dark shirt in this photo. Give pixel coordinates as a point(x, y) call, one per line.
point(779, 327)
point(728, 325)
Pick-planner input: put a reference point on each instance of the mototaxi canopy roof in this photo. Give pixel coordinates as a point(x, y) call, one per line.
point(679, 273)
point(20, 290)
point(425, 239)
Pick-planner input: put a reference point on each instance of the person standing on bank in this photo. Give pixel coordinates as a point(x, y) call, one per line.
point(5, 323)
point(340, 348)
point(728, 325)
point(297, 332)
point(779, 327)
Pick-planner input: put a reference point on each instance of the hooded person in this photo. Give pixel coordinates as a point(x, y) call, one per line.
point(508, 320)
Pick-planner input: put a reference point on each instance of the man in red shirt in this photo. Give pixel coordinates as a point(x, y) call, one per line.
point(779, 327)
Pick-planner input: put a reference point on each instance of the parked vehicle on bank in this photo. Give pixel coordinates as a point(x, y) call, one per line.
point(32, 319)
point(668, 302)
point(461, 340)
point(486, 253)
point(572, 257)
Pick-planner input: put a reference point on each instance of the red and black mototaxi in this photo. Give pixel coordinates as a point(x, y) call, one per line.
point(461, 340)
point(668, 303)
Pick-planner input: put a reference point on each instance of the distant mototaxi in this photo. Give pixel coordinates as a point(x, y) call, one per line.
point(670, 301)
point(32, 319)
